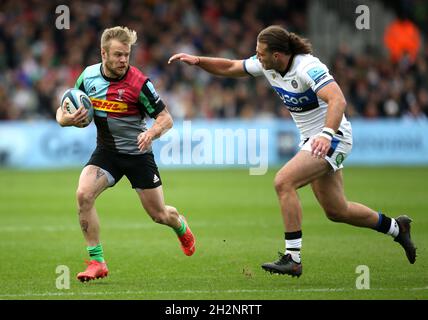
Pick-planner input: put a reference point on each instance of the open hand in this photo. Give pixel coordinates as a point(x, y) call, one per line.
point(187, 58)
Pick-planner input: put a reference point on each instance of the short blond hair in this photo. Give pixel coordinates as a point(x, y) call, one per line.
point(122, 34)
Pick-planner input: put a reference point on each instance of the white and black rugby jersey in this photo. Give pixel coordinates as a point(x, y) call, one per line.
point(306, 75)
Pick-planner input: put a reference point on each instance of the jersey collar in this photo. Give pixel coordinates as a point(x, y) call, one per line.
point(290, 62)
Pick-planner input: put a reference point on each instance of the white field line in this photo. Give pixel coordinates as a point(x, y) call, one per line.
point(130, 292)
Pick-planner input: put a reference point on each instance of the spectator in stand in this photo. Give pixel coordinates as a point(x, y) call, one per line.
point(402, 39)
point(38, 62)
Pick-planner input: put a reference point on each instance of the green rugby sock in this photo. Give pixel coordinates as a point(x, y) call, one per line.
point(182, 229)
point(96, 253)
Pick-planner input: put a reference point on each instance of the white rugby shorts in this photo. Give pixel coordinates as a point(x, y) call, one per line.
point(337, 154)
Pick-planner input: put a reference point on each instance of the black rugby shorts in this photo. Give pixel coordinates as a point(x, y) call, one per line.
point(141, 170)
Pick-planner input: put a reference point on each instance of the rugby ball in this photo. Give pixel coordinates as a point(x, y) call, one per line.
point(72, 99)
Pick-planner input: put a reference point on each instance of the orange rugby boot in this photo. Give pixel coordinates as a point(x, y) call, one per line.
point(187, 240)
point(95, 270)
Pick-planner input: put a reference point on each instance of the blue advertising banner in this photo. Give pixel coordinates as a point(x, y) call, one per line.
point(216, 143)
point(45, 145)
point(397, 142)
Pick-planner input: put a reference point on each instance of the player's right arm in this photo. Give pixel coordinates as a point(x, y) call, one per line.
point(76, 119)
point(64, 118)
point(217, 66)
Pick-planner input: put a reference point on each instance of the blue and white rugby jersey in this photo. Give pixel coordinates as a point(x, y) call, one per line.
point(297, 89)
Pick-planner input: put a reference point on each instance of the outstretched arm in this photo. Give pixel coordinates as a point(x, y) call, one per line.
point(217, 66)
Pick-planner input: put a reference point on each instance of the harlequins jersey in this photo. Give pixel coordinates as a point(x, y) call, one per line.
point(120, 106)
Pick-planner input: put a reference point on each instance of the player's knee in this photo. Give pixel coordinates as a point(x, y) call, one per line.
point(84, 199)
point(282, 184)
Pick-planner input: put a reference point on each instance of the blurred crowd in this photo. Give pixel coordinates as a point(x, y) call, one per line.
point(38, 61)
point(376, 87)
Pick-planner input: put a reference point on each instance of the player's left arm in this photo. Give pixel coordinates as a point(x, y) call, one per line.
point(161, 125)
point(336, 103)
point(152, 105)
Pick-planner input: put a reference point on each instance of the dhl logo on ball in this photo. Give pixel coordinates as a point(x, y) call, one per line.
point(110, 106)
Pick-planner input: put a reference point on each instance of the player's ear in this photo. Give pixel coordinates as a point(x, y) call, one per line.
point(103, 53)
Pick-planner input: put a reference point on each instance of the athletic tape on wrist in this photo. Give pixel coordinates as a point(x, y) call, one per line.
point(329, 131)
point(326, 135)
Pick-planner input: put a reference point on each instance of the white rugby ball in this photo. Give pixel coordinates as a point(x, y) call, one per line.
point(72, 99)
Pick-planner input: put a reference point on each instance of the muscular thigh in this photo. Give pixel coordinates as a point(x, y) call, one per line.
point(302, 169)
point(328, 190)
point(93, 180)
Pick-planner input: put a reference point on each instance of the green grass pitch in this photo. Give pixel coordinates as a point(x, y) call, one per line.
point(235, 218)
